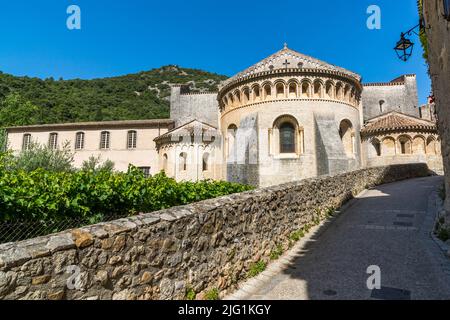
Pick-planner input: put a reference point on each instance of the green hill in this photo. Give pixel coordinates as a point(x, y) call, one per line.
point(144, 95)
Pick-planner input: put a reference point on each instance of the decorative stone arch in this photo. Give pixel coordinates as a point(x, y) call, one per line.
point(256, 92)
point(306, 91)
point(329, 89)
point(182, 161)
point(431, 146)
point(246, 95)
point(418, 145)
point(375, 144)
point(404, 144)
point(230, 141)
point(206, 162)
point(318, 89)
point(225, 101)
point(292, 89)
point(237, 97)
point(280, 89)
point(347, 90)
point(347, 134)
point(353, 95)
point(388, 146)
point(165, 163)
point(231, 99)
point(267, 90)
point(339, 89)
point(286, 136)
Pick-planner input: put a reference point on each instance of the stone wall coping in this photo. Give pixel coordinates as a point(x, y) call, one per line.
point(14, 254)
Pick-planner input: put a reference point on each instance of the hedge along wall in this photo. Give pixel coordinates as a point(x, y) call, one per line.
point(210, 244)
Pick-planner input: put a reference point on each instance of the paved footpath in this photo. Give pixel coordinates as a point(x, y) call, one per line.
point(388, 226)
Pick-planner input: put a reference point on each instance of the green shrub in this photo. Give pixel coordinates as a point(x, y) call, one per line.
point(190, 294)
point(41, 157)
point(96, 164)
point(256, 269)
point(212, 294)
point(297, 235)
point(276, 253)
point(42, 195)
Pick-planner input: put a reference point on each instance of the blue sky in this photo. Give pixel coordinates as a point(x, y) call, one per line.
point(120, 37)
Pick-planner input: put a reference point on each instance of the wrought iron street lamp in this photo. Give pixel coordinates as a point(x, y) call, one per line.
point(404, 48)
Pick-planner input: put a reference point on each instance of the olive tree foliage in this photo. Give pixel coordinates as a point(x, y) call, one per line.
point(38, 156)
point(96, 164)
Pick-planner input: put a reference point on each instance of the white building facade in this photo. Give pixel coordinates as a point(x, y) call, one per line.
point(286, 118)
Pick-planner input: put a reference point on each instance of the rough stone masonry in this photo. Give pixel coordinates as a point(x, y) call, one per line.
point(206, 245)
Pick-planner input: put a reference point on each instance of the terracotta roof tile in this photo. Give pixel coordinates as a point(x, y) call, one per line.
point(397, 121)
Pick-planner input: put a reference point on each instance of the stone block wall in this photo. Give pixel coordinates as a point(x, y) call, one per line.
point(210, 244)
point(438, 35)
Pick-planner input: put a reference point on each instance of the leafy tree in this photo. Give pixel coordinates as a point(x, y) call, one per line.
point(43, 157)
point(144, 95)
point(95, 164)
point(16, 111)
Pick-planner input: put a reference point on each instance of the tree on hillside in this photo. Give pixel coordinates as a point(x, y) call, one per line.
point(16, 111)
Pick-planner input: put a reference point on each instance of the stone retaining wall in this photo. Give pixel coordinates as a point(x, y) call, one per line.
point(210, 244)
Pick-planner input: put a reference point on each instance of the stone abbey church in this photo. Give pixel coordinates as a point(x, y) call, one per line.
point(288, 117)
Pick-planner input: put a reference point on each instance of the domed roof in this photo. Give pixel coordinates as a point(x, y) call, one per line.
point(290, 59)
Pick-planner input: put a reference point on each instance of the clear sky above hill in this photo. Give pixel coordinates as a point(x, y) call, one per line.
point(121, 37)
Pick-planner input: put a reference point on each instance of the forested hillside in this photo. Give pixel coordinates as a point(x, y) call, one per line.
point(143, 95)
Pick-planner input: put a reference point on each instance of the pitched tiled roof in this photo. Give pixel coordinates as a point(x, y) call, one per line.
point(294, 59)
point(395, 121)
point(190, 129)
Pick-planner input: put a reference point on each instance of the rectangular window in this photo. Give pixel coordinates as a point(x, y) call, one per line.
point(53, 141)
point(104, 140)
point(79, 141)
point(132, 139)
point(26, 142)
point(146, 171)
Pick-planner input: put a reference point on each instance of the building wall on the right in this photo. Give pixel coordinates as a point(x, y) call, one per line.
point(438, 34)
point(399, 95)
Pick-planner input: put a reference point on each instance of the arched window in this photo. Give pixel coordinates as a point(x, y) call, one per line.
point(317, 89)
point(256, 93)
point(418, 146)
point(347, 137)
point(26, 142)
point(280, 90)
point(183, 161)
point(329, 90)
point(205, 162)
point(388, 146)
point(104, 140)
point(231, 99)
point(53, 141)
point(338, 95)
point(132, 139)
point(287, 138)
point(231, 140)
point(293, 90)
point(347, 93)
point(267, 92)
point(431, 146)
point(237, 94)
point(376, 147)
point(405, 144)
point(246, 95)
point(306, 89)
point(381, 102)
point(165, 162)
point(79, 141)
